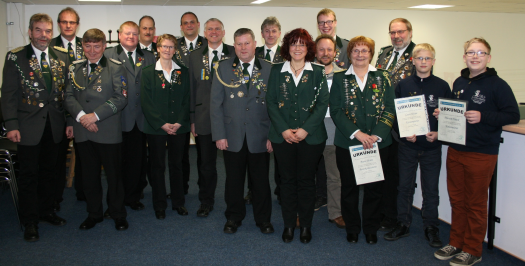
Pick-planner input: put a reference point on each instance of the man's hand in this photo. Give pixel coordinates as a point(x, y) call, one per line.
point(436, 113)
point(222, 144)
point(14, 135)
point(193, 130)
point(69, 132)
point(92, 128)
point(412, 138)
point(473, 117)
point(88, 119)
point(269, 147)
point(432, 136)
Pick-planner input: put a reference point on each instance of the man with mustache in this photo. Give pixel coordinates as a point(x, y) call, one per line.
point(397, 60)
point(32, 107)
point(146, 34)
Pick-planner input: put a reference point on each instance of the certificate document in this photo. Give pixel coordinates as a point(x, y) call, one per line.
point(367, 164)
point(411, 114)
point(452, 124)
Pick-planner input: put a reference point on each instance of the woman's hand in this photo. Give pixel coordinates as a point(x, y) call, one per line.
point(168, 128)
point(300, 134)
point(289, 136)
point(436, 113)
point(365, 139)
point(413, 138)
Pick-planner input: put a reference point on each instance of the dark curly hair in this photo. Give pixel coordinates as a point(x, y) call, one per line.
point(295, 36)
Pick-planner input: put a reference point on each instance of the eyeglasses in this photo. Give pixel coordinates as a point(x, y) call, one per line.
point(423, 58)
point(302, 45)
point(479, 53)
point(72, 23)
point(167, 47)
point(328, 23)
point(357, 52)
point(399, 32)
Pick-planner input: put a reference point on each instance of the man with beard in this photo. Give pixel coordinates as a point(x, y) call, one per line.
point(326, 23)
point(397, 60)
point(146, 34)
point(32, 98)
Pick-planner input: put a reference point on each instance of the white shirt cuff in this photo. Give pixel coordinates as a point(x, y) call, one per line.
point(378, 138)
point(81, 114)
point(353, 134)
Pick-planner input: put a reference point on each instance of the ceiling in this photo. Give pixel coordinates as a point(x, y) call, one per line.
point(491, 6)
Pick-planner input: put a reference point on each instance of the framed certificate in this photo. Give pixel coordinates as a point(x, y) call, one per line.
point(411, 114)
point(452, 124)
point(367, 164)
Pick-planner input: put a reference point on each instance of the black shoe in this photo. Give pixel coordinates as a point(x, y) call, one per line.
point(388, 224)
point(181, 210)
point(204, 210)
point(121, 224)
point(432, 235)
point(161, 215)
point(106, 214)
point(137, 205)
point(248, 198)
point(31, 233)
point(288, 235)
point(231, 226)
point(53, 219)
point(168, 196)
point(56, 206)
point(81, 197)
point(352, 237)
point(141, 195)
point(320, 202)
point(400, 231)
point(371, 238)
point(89, 223)
point(306, 235)
point(266, 227)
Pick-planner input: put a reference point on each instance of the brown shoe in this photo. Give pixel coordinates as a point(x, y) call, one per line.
point(339, 222)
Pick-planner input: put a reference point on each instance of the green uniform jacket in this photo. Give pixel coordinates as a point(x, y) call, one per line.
point(371, 111)
point(168, 104)
point(296, 107)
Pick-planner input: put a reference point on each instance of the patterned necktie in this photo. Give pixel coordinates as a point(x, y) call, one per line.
point(70, 51)
point(214, 61)
point(45, 71)
point(92, 69)
point(191, 47)
point(246, 74)
point(131, 60)
point(268, 55)
point(391, 67)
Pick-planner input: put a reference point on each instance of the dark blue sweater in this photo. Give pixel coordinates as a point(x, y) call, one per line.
point(494, 99)
point(433, 88)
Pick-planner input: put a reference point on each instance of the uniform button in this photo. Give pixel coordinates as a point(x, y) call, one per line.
point(247, 109)
point(137, 94)
point(172, 112)
point(296, 119)
point(136, 105)
point(296, 94)
point(244, 123)
point(296, 111)
point(367, 100)
point(87, 101)
point(136, 82)
point(172, 101)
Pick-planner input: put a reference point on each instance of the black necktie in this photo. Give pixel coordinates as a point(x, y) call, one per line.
point(131, 60)
point(191, 47)
point(214, 61)
point(70, 50)
point(393, 62)
point(93, 67)
point(45, 71)
point(246, 74)
point(268, 55)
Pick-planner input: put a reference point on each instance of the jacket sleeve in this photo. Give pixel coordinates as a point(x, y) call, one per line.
point(507, 108)
point(193, 92)
point(218, 131)
point(118, 101)
point(71, 103)
point(10, 94)
point(272, 97)
point(316, 119)
point(337, 107)
point(185, 108)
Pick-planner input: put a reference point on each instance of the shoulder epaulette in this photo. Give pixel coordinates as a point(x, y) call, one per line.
point(341, 70)
point(61, 49)
point(388, 46)
point(115, 61)
point(314, 63)
point(18, 49)
point(224, 59)
point(267, 61)
point(79, 61)
point(279, 63)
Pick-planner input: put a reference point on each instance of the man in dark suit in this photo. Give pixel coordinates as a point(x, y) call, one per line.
point(240, 125)
point(327, 24)
point(32, 96)
point(68, 21)
point(95, 98)
point(133, 59)
point(146, 34)
point(201, 64)
point(397, 60)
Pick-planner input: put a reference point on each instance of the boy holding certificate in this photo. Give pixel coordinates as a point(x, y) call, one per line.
point(491, 105)
point(424, 149)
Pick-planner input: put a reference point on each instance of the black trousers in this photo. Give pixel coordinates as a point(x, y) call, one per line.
point(350, 195)
point(133, 151)
point(37, 177)
point(389, 201)
point(258, 165)
point(78, 174)
point(93, 156)
point(320, 179)
point(186, 163)
point(297, 166)
point(207, 165)
point(276, 178)
point(157, 154)
point(60, 169)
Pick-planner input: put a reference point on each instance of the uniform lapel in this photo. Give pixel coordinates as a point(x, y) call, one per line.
point(277, 56)
point(98, 71)
point(199, 43)
point(206, 60)
point(79, 53)
point(123, 57)
point(35, 66)
point(139, 61)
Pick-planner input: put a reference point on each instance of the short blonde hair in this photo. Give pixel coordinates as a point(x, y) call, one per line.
point(326, 12)
point(167, 37)
point(357, 40)
point(423, 47)
point(129, 24)
point(477, 40)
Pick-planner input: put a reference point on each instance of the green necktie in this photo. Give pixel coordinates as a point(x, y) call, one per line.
point(214, 61)
point(268, 55)
point(393, 62)
point(70, 51)
point(191, 47)
point(45, 71)
point(93, 67)
point(246, 74)
point(131, 60)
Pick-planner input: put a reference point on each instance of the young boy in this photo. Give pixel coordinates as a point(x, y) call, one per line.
point(424, 149)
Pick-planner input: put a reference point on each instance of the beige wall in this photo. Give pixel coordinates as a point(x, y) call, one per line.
point(3, 32)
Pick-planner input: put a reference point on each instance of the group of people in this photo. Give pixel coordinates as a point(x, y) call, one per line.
point(306, 100)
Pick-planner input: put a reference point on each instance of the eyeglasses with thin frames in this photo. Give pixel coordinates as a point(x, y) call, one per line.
point(72, 23)
point(479, 53)
point(357, 51)
point(399, 32)
point(423, 58)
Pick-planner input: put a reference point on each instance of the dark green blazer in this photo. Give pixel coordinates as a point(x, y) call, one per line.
point(165, 104)
point(371, 111)
point(296, 107)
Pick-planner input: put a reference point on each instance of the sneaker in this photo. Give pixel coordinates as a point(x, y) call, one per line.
point(320, 202)
point(464, 258)
point(432, 235)
point(446, 252)
point(398, 232)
